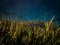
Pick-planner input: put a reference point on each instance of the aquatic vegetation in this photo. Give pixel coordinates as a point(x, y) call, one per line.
point(29, 33)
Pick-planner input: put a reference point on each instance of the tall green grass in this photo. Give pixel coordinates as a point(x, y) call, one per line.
point(23, 33)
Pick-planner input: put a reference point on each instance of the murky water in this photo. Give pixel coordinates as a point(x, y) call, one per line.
point(31, 9)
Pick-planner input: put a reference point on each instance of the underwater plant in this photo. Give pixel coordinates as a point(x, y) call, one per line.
point(29, 33)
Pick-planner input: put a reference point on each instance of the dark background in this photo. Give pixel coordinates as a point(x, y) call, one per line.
point(32, 9)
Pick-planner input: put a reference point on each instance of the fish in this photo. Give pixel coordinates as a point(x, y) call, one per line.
point(5, 13)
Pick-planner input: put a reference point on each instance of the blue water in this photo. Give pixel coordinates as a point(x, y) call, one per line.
point(32, 9)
